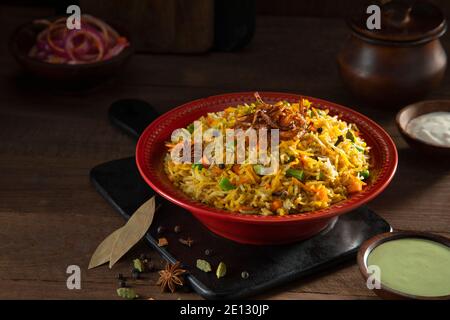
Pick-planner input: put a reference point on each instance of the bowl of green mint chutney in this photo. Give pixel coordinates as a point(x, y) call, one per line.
point(407, 265)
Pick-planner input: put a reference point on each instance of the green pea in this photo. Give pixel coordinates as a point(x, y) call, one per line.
point(365, 174)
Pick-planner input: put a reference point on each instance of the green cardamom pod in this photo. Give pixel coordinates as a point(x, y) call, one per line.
point(127, 293)
point(221, 270)
point(203, 265)
point(138, 265)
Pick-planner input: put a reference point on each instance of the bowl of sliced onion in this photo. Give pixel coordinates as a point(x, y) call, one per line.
point(48, 49)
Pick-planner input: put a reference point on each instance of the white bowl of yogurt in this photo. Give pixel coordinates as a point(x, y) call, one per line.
point(425, 125)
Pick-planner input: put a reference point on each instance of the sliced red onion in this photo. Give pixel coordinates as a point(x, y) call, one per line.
point(70, 48)
point(56, 44)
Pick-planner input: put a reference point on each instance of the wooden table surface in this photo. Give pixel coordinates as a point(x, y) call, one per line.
point(51, 216)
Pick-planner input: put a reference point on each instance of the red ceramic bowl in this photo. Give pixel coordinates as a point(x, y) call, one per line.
point(258, 229)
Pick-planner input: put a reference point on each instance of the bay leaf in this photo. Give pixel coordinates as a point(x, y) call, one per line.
point(103, 251)
point(133, 231)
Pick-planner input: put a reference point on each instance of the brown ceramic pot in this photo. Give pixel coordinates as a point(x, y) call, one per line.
point(398, 64)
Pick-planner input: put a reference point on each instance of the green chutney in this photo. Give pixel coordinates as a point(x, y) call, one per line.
point(413, 266)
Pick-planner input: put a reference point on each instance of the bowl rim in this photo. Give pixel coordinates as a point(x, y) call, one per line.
point(199, 208)
point(421, 105)
point(369, 245)
point(19, 55)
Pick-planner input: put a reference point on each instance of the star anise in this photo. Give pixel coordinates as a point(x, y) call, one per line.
point(171, 277)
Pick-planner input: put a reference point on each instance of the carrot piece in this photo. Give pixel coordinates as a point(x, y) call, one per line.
point(216, 170)
point(355, 186)
point(276, 204)
point(322, 195)
point(243, 180)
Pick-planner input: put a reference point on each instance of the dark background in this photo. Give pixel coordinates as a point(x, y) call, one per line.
point(322, 8)
point(312, 8)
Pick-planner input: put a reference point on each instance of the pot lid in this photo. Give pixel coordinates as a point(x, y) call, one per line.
point(403, 21)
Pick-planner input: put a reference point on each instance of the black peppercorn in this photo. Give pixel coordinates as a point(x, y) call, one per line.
point(160, 230)
point(122, 284)
point(150, 266)
point(208, 252)
point(221, 166)
point(135, 274)
point(177, 229)
point(244, 275)
point(120, 277)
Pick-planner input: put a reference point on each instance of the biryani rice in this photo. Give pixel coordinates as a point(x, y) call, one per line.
point(330, 154)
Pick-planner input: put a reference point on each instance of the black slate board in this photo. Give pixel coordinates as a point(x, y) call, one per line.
point(120, 184)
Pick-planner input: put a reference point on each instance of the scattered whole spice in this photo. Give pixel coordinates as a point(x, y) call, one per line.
point(187, 242)
point(221, 270)
point(145, 263)
point(160, 230)
point(171, 277)
point(135, 274)
point(177, 229)
point(127, 293)
point(143, 256)
point(138, 265)
point(162, 242)
point(203, 265)
point(122, 283)
point(209, 252)
point(339, 140)
point(245, 275)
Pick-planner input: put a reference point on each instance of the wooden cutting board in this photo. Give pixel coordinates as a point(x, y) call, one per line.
point(164, 26)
